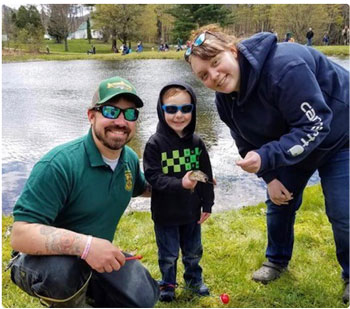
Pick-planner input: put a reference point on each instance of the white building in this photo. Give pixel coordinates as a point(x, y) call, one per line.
point(81, 33)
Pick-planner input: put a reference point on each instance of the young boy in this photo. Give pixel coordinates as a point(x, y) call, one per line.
point(179, 205)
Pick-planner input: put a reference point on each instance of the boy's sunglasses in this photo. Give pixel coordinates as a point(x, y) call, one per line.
point(172, 109)
point(112, 112)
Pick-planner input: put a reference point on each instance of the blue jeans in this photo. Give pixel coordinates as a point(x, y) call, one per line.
point(280, 219)
point(309, 42)
point(169, 240)
point(58, 278)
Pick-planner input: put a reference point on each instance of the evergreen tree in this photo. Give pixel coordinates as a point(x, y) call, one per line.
point(28, 27)
point(88, 30)
point(192, 16)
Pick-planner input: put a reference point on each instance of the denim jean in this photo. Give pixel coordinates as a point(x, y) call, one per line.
point(309, 42)
point(59, 278)
point(169, 240)
point(334, 176)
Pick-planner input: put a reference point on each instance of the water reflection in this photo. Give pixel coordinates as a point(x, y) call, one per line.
point(44, 104)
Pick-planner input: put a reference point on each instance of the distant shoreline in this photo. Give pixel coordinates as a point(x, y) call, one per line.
point(340, 51)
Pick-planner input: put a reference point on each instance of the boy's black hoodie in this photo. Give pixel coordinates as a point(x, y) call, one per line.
point(167, 158)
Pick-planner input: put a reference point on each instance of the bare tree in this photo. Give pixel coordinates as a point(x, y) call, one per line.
point(8, 23)
point(62, 21)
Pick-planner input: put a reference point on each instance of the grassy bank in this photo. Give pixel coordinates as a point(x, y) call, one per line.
point(234, 244)
point(78, 51)
point(62, 56)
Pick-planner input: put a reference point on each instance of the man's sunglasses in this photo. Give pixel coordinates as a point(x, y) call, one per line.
point(112, 112)
point(172, 109)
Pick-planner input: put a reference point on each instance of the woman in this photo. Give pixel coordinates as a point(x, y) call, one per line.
point(287, 107)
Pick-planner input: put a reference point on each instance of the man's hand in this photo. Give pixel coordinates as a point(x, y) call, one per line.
point(40, 239)
point(104, 256)
point(251, 162)
point(278, 193)
point(187, 183)
point(204, 216)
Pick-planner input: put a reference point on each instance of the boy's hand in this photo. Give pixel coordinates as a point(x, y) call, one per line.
point(204, 216)
point(187, 183)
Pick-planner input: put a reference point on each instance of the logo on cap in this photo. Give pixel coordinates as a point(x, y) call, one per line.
point(121, 85)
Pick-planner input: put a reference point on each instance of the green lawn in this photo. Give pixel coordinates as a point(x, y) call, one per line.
point(78, 51)
point(234, 244)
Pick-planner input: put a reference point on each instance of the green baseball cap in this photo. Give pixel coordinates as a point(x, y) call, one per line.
point(115, 86)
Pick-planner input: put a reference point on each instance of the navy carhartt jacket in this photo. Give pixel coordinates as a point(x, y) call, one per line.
point(292, 107)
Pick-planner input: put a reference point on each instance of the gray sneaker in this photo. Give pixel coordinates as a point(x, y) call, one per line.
point(346, 292)
point(268, 272)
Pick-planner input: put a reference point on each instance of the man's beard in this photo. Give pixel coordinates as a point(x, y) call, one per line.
point(113, 143)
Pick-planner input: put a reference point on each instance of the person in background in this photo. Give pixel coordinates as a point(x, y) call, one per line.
point(179, 44)
point(325, 39)
point(309, 36)
point(67, 214)
point(289, 37)
point(179, 204)
point(126, 50)
point(139, 47)
point(287, 106)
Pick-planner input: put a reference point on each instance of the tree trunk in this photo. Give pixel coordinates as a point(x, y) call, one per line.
point(114, 45)
point(65, 44)
point(159, 31)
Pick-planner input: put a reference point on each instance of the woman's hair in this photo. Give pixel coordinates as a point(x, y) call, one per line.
point(216, 41)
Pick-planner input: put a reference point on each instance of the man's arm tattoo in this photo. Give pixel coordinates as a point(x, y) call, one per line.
point(60, 241)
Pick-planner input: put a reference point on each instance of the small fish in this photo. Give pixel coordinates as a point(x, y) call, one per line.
point(200, 176)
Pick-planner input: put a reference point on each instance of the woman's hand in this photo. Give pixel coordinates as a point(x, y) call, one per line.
point(278, 193)
point(204, 216)
point(251, 162)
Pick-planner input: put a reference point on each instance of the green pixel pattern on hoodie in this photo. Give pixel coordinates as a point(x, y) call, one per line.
point(176, 163)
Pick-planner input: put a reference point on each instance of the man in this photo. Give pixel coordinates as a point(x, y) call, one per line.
point(309, 36)
point(66, 216)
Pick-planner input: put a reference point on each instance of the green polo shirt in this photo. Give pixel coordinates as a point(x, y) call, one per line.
point(72, 187)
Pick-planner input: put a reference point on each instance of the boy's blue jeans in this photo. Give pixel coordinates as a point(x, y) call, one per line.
point(59, 278)
point(169, 240)
point(280, 219)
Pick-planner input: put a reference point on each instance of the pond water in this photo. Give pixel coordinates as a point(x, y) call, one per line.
point(44, 104)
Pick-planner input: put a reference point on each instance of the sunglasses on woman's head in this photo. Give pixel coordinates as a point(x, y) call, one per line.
point(172, 109)
point(112, 112)
point(197, 42)
point(200, 39)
